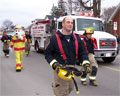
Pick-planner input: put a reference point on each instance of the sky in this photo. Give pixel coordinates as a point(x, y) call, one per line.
point(22, 12)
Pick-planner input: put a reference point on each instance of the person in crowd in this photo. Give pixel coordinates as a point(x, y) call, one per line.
point(27, 44)
point(89, 45)
point(6, 41)
point(18, 42)
point(65, 50)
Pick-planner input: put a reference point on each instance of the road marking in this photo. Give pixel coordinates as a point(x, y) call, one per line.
point(110, 68)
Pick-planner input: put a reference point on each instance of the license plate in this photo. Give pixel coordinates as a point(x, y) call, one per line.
point(108, 54)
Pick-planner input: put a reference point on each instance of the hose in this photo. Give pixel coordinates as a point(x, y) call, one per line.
point(77, 91)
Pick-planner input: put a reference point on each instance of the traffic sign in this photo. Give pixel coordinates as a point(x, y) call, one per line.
point(115, 26)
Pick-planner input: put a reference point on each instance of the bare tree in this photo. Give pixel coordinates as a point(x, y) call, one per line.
point(60, 9)
point(107, 12)
point(61, 6)
point(55, 11)
point(75, 6)
point(7, 24)
point(94, 5)
point(69, 6)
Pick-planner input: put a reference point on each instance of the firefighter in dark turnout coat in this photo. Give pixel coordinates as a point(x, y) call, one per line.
point(27, 44)
point(6, 41)
point(54, 57)
point(89, 45)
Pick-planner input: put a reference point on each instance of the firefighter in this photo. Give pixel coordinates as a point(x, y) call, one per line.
point(89, 45)
point(6, 41)
point(27, 44)
point(64, 50)
point(18, 42)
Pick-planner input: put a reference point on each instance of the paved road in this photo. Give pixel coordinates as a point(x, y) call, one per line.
point(36, 77)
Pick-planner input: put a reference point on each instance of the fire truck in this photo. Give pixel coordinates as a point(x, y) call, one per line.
point(105, 44)
point(40, 31)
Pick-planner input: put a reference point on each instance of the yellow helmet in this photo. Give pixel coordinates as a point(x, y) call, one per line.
point(63, 74)
point(89, 30)
point(18, 28)
point(68, 72)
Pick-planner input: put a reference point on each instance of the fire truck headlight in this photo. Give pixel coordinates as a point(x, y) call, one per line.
point(102, 43)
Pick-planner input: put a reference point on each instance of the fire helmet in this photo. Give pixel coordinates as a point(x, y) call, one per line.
point(89, 30)
point(68, 72)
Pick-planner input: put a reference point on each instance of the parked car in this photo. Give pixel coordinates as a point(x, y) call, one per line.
point(10, 33)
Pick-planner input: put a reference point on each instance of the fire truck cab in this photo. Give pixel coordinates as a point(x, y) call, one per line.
point(105, 44)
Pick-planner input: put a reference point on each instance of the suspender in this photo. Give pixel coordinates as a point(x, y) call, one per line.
point(85, 45)
point(61, 48)
point(76, 46)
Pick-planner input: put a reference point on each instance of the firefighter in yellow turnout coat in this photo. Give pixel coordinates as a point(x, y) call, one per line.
point(18, 42)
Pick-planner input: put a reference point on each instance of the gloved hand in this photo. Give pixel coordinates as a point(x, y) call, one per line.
point(87, 67)
point(56, 65)
point(72, 71)
point(77, 73)
point(10, 49)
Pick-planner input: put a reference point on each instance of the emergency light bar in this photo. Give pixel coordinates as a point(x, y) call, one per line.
point(85, 14)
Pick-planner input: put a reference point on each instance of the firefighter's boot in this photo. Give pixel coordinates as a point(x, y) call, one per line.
point(27, 53)
point(93, 83)
point(84, 83)
point(7, 55)
point(18, 67)
point(21, 66)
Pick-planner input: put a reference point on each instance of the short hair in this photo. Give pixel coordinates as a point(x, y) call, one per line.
point(65, 18)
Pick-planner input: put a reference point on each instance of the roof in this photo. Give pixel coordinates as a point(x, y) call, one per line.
point(50, 17)
point(114, 13)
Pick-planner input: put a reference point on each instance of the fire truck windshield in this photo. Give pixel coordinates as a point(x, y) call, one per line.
point(85, 23)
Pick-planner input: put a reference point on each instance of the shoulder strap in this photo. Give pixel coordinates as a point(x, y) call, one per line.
point(60, 47)
point(76, 46)
point(85, 45)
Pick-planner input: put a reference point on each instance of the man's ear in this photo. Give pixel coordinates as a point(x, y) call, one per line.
point(62, 24)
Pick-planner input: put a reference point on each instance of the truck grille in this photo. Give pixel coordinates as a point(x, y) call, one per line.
point(107, 43)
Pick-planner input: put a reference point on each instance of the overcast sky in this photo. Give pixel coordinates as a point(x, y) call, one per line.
point(22, 12)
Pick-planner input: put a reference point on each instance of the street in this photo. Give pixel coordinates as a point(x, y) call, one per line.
point(36, 77)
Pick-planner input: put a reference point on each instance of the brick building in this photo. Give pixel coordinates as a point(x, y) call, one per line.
point(115, 21)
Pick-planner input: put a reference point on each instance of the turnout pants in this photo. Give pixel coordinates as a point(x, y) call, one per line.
point(19, 57)
point(62, 87)
point(94, 67)
point(6, 48)
point(27, 47)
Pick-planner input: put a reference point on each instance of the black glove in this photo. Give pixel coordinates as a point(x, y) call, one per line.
point(87, 68)
point(77, 73)
point(56, 65)
point(73, 71)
